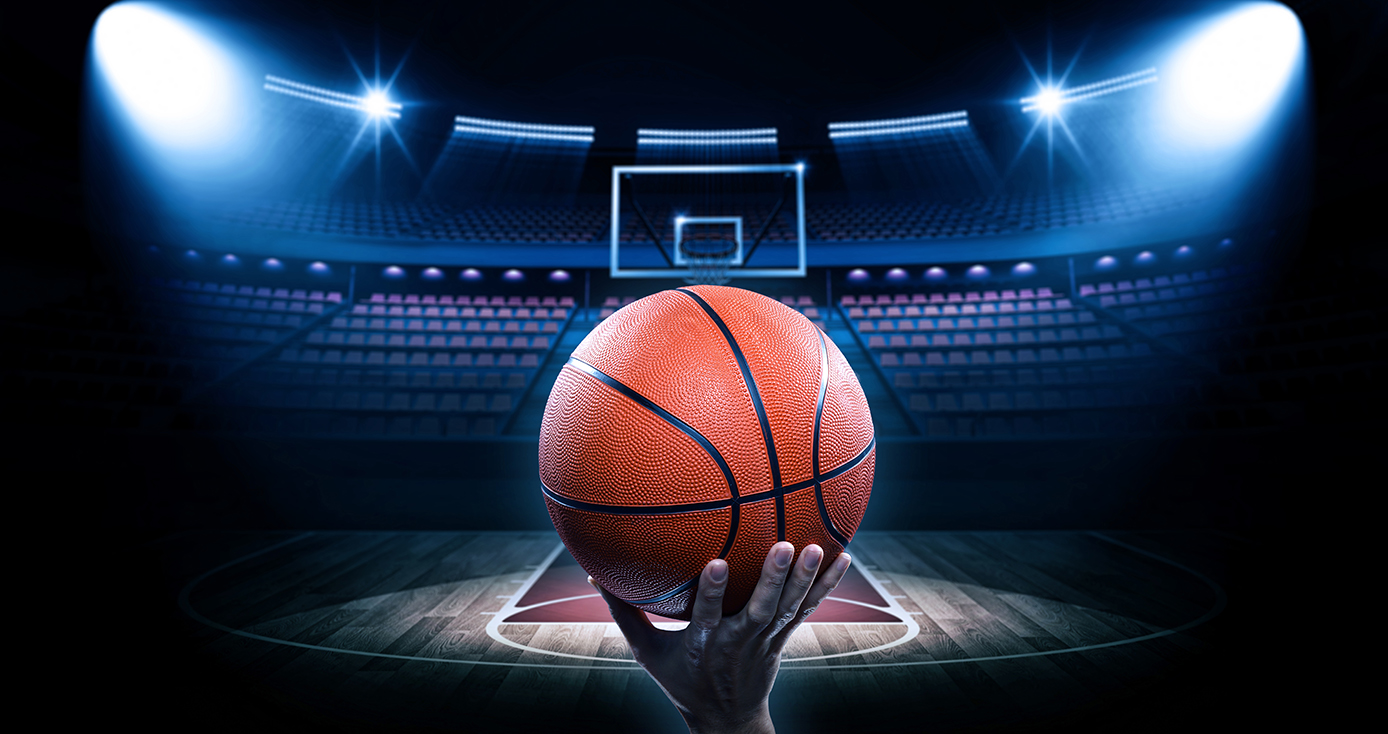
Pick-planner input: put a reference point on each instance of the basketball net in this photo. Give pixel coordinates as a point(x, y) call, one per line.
point(708, 261)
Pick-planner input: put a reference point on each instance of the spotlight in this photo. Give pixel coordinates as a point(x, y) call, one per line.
point(896, 274)
point(230, 260)
point(1229, 76)
point(394, 272)
point(432, 274)
point(319, 268)
point(176, 84)
point(858, 275)
point(513, 275)
point(1145, 258)
point(977, 272)
point(1049, 101)
point(470, 274)
point(1184, 251)
point(377, 104)
point(272, 263)
point(192, 255)
point(1023, 269)
point(560, 276)
point(1226, 242)
point(935, 273)
point(1106, 262)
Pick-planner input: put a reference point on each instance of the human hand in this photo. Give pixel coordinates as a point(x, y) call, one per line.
point(719, 670)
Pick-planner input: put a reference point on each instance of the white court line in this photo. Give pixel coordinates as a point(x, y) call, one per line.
point(894, 608)
point(184, 596)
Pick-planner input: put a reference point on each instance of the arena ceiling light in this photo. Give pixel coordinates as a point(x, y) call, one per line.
point(528, 130)
point(1050, 99)
point(752, 136)
point(899, 126)
point(375, 103)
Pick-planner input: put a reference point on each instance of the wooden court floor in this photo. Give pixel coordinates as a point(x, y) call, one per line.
point(497, 631)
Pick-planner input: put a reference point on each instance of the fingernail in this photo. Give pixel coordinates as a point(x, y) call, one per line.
point(843, 560)
point(718, 570)
point(592, 583)
point(810, 557)
point(782, 555)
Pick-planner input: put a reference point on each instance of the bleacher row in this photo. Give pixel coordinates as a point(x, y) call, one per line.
point(1005, 362)
point(458, 368)
point(845, 222)
point(1051, 209)
point(1327, 344)
point(104, 360)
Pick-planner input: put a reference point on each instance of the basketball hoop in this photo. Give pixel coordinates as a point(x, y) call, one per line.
point(708, 260)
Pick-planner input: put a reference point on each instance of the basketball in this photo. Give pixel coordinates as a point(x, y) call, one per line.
point(698, 423)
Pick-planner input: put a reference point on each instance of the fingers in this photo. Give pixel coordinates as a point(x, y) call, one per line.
point(821, 589)
point(633, 623)
point(796, 587)
point(761, 609)
point(708, 600)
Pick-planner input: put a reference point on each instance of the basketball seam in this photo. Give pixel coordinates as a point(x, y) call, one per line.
point(699, 438)
point(757, 405)
point(746, 499)
point(814, 463)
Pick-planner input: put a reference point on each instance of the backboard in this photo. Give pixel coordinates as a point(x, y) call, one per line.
point(759, 209)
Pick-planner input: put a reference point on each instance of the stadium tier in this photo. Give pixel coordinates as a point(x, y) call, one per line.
point(828, 222)
point(1213, 348)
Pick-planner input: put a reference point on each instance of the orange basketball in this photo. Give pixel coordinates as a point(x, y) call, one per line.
point(699, 423)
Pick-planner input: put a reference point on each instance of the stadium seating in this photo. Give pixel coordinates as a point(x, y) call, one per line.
point(1012, 362)
point(830, 222)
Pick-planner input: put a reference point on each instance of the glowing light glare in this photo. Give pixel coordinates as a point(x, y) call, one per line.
point(858, 275)
point(977, 271)
point(230, 259)
point(513, 275)
point(1105, 262)
point(898, 126)
point(896, 274)
point(394, 272)
point(272, 263)
point(472, 274)
point(1184, 251)
point(1145, 258)
point(1225, 80)
point(1048, 101)
point(560, 276)
point(706, 141)
point(1226, 242)
point(319, 268)
point(176, 85)
point(935, 273)
point(432, 274)
point(376, 104)
point(193, 255)
point(1023, 269)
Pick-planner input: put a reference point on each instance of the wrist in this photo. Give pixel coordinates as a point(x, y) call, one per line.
point(757, 722)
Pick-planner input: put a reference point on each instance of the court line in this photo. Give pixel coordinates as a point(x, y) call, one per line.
point(1221, 600)
point(893, 608)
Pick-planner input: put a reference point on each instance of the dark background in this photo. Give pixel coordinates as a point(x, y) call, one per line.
point(1297, 496)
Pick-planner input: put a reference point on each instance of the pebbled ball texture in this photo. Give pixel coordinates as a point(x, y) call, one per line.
point(683, 429)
